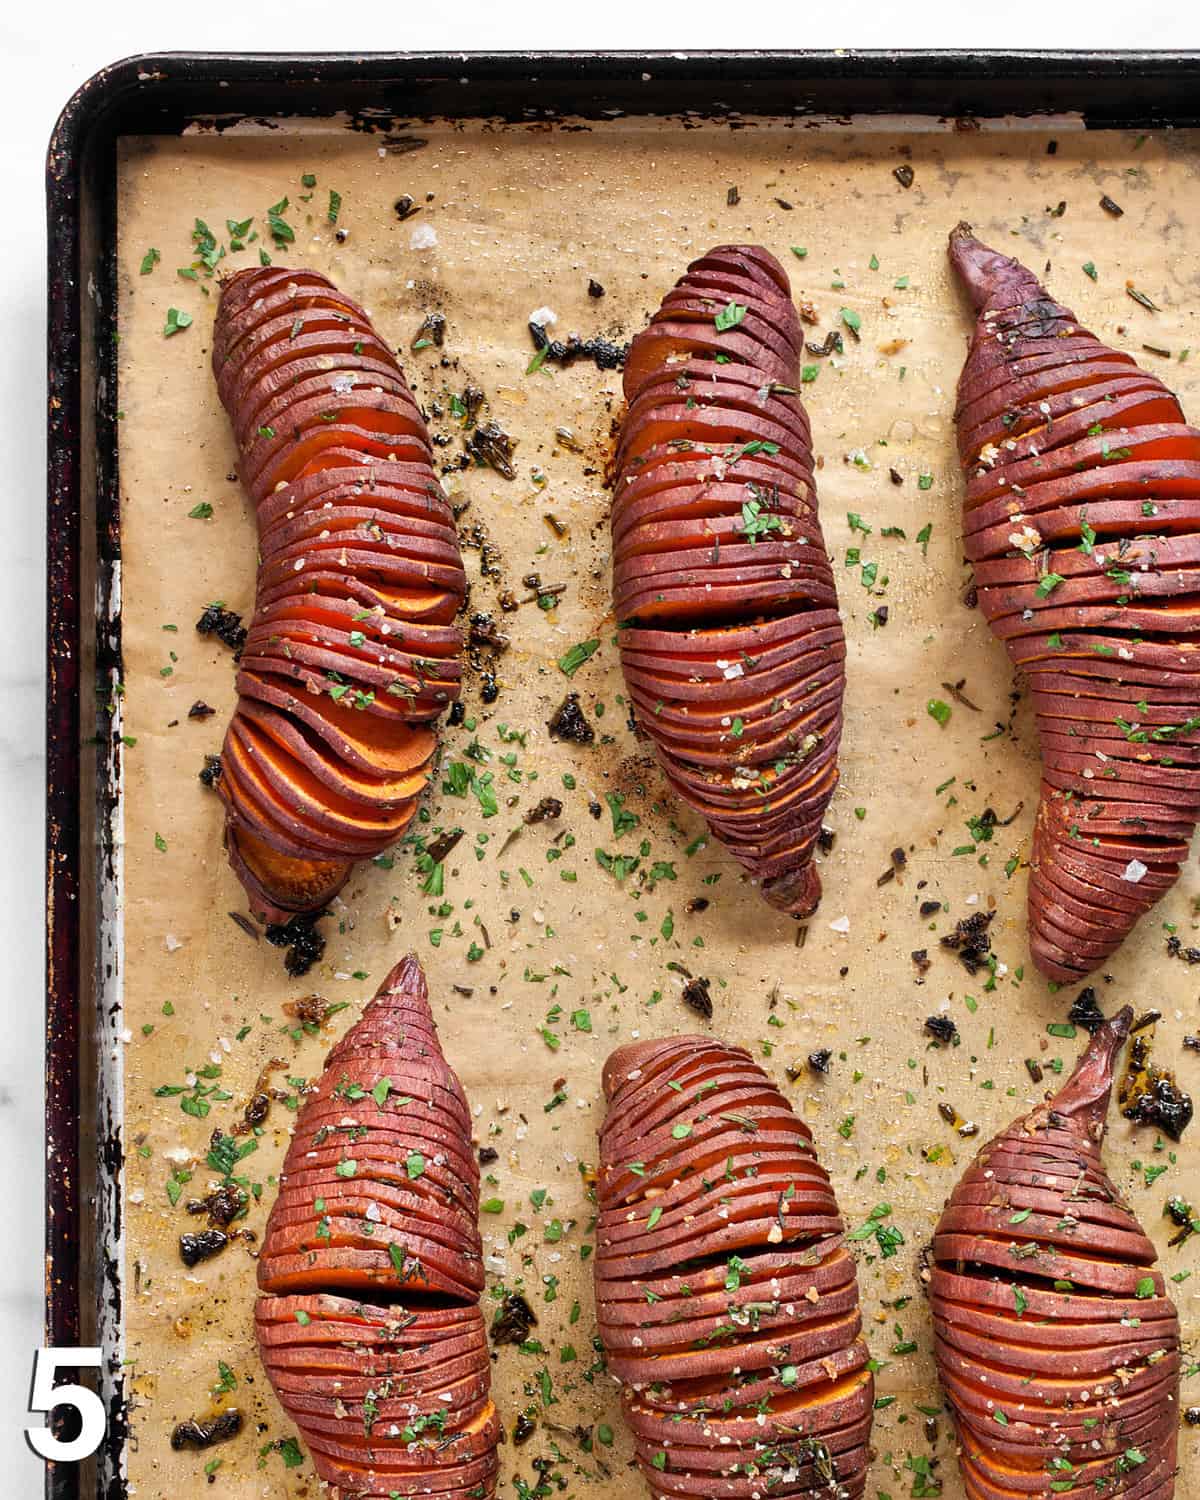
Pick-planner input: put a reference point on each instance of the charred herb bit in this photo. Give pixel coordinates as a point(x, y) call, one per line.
point(431, 332)
point(832, 345)
point(197, 1434)
point(1140, 298)
point(491, 447)
point(1085, 1011)
point(971, 940)
point(193, 1248)
point(569, 723)
point(697, 995)
point(1035, 1069)
point(920, 957)
point(955, 690)
point(200, 710)
point(929, 908)
point(300, 937)
point(904, 175)
point(210, 771)
point(443, 845)
point(943, 1029)
point(514, 1318)
point(1109, 207)
point(1149, 1095)
point(546, 811)
point(245, 924)
point(604, 354)
point(225, 624)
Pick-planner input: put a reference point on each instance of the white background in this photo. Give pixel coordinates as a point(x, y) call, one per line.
point(44, 55)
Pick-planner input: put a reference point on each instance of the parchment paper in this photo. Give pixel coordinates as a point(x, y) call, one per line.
point(523, 216)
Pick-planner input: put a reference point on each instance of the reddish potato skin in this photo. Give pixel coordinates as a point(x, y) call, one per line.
point(1055, 1339)
point(717, 1225)
point(368, 1319)
point(714, 424)
point(1081, 466)
point(359, 580)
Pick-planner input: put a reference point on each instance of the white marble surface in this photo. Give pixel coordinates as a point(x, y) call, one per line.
point(45, 55)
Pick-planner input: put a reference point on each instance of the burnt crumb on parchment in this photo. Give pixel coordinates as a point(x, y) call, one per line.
point(200, 710)
point(304, 944)
point(197, 1434)
point(193, 1248)
point(603, 352)
point(1085, 1011)
point(546, 811)
point(225, 624)
point(221, 1206)
point(432, 331)
point(943, 1029)
point(1175, 949)
point(210, 772)
point(1149, 1094)
point(310, 1010)
point(971, 940)
point(514, 1318)
point(568, 722)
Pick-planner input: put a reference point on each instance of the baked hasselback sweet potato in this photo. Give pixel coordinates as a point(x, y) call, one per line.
point(1082, 522)
point(731, 644)
point(352, 652)
point(368, 1318)
point(1056, 1341)
point(726, 1296)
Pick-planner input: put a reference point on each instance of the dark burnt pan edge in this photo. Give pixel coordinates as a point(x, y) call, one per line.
point(164, 93)
point(380, 92)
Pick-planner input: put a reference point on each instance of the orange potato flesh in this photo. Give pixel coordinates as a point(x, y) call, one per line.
point(327, 750)
point(715, 529)
point(368, 1319)
point(726, 1296)
point(1055, 1339)
point(1082, 519)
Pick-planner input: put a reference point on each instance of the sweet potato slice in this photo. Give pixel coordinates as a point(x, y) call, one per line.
point(1082, 520)
point(368, 1319)
point(1056, 1343)
point(351, 651)
point(716, 541)
point(726, 1297)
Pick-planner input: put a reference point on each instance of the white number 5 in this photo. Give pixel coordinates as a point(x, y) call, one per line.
point(46, 1396)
